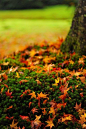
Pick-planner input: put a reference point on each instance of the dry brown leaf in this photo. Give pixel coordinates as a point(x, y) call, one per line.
point(77, 107)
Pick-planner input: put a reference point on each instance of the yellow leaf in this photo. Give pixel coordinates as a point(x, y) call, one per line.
point(66, 118)
point(14, 125)
point(2, 90)
point(37, 117)
point(5, 63)
point(81, 111)
point(17, 75)
point(32, 95)
point(32, 52)
point(57, 80)
point(49, 124)
point(52, 110)
point(41, 95)
point(71, 62)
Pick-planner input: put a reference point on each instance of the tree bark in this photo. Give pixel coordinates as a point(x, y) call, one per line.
point(76, 38)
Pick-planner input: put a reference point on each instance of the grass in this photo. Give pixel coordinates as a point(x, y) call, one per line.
point(21, 27)
point(33, 26)
point(53, 12)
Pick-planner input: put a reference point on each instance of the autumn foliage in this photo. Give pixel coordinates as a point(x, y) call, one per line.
point(42, 88)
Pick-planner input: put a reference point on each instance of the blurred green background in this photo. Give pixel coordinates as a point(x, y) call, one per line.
point(24, 22)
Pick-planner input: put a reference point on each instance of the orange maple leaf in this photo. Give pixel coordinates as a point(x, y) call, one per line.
point(59, 105)
point(41, 95)
point(13, 125)
point(34, 110)
point(62, 97)
point(50, 122)
point(52, 110)
point(44, 111)
point(77, 107)
point(66, 118)
point(33, 95)
point(82, 119)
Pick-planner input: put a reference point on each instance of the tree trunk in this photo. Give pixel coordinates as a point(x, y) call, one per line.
point(76, 38)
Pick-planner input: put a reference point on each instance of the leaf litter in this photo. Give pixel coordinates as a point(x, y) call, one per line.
point(41, 88)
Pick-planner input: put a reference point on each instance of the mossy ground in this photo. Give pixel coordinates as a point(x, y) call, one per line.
point(41, 84)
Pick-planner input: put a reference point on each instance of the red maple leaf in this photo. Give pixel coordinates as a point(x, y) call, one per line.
point(9, 118)
point(9, 94)
point(24, 117)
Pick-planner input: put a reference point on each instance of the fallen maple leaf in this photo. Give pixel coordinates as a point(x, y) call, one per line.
point(81, 111)
point(33, 95)
point(5, 76)
point(57, 81)
point(34, 110)
point(6, 85)
point(9, 94)
point(37, 123)
point(66, 118)
point(9, 118)
point(22, 81)
point(24, 117)
point(17, 75)
point(83, 79)
point(71, 62)
point(14, 125)
point(32, 52)
point(77, 107)
point(1, 90)
point(52, 110)
point(41, 95)
point(44, 111)
point(50, 122)
point(62, 97)
point(9, 107)
point(82, 119)
point(59, 105)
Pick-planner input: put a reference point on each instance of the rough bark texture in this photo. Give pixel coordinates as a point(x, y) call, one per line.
point(76, 38)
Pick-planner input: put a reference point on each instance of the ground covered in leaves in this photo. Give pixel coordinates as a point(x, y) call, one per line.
point(42, 88)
